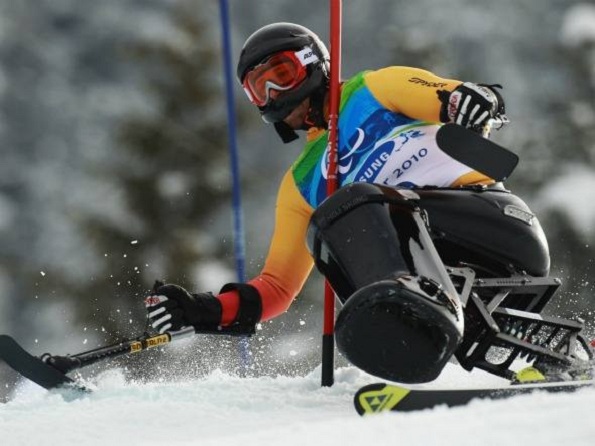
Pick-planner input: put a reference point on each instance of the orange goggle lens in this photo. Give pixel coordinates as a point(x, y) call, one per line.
point(280, 72)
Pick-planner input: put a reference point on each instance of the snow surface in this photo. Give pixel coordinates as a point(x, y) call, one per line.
point(229, 410)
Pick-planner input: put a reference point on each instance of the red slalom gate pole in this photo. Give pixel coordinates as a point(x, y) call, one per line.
point(332, 183)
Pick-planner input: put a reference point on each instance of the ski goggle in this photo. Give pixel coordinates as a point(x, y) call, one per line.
point(280, 72)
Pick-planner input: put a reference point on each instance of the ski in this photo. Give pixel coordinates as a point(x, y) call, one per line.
point(382, 397)
point(31, 367)
point(477, 152)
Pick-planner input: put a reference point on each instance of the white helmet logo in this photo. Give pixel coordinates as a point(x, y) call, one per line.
point(307, 56)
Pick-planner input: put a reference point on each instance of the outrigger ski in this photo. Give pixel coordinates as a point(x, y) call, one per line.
point(382, 397)
point(50, 371)
point(477, 152)
point(32, 367)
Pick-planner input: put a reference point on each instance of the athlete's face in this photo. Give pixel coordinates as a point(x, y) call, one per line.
point(296, 118)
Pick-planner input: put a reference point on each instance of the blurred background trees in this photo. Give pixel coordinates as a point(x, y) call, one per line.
point(114, 166)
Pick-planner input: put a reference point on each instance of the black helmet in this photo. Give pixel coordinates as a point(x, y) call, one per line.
point(275, 38)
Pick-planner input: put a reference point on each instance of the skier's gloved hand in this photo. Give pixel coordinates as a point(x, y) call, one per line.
point(471, 105)
point(171, 307)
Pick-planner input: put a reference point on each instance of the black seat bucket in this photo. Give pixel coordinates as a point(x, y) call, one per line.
point(489, 228)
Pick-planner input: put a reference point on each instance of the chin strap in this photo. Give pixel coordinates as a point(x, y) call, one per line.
point(285, 132)
point(315, 115)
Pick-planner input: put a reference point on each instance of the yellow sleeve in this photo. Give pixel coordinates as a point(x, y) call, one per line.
point(410, 91)
point(288, 263)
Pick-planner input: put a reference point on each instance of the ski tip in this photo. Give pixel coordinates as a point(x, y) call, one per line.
point(378, 397)
point(29, 366)
point(359, 400)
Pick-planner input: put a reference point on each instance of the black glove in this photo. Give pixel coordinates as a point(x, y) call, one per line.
point(171, 307)
point(471, 105)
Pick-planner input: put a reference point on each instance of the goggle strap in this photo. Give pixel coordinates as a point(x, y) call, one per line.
point(306, 56)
